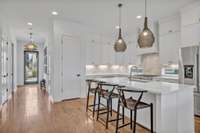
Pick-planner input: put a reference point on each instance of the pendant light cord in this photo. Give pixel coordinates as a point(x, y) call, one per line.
point(120, 14)
point(145, 8)
point(31, 37)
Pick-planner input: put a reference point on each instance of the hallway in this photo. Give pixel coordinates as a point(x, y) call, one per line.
point(30, 111)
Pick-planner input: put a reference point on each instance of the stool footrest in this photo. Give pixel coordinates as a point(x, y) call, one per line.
point(124, 125)
point(92, 105)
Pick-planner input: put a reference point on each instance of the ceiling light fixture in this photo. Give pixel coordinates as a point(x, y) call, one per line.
point(29, 23)
point(117, 27)
point(146, 37)
point(139, 17)
point(54, 13)
point(120, 44)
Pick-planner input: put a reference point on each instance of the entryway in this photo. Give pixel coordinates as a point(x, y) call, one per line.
point(31, 71)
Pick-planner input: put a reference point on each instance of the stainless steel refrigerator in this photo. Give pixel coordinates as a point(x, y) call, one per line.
point(189, 72)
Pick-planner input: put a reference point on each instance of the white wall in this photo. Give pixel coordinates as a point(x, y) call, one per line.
point(20, 61)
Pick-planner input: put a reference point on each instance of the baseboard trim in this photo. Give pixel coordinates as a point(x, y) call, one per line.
point(71, 99)
point(20, 86)
point(51, 99)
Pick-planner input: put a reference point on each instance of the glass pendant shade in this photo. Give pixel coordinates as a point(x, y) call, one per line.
point(120, 44)
point(146, 37)
point(30, 46)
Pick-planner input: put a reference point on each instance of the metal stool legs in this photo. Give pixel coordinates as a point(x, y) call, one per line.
point(91, 90)
point(151, 114)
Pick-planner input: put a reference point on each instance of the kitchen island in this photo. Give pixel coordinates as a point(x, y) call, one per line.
point(173, 104)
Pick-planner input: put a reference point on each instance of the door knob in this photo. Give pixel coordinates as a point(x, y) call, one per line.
point(78, 75)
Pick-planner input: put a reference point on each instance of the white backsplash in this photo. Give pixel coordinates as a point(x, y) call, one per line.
point(151, 64)
point(107, 69)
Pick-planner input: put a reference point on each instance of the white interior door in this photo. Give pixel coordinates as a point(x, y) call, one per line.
point(4, 70)
point(71, 67)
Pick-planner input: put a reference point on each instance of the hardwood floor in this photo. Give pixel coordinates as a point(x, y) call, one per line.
point(30, 111)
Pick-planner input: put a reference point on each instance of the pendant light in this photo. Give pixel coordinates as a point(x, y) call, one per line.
point(146, 37)
point(30, 46)
point(120, 45)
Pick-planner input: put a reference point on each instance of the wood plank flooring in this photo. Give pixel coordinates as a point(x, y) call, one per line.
point(30, 111)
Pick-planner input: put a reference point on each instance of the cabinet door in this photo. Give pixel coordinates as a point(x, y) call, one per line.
point(191, 16)
point(93, 53)
point(169, 27)
point(89, 53)
point(169, 45)
point(197, 104)
point(119, 58)
point(130, 56)
point(107, 54)
point(190, 35)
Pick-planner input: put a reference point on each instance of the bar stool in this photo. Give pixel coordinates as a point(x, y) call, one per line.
point(132, 105)
point(92, 90)
point(103, 92)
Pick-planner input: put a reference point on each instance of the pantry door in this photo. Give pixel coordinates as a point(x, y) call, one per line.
point(4, 70)
point(71, 67)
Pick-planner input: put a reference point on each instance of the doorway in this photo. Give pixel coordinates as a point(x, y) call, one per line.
point(71, 67)
point(31, 64)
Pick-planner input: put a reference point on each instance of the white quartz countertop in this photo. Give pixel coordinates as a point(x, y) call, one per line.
point(155, 87)
point(126, 74)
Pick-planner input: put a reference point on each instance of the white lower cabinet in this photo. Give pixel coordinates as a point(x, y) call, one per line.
point(197, 104)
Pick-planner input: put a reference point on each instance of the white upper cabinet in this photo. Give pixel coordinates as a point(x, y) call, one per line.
point(130, 55)
point(190, 14)
point(169, 48)
point(101, 51)
point(169, 40)
point(93, 52)
point(169, 25)
point(190, 25)
point(190, 35)
point(108, 54)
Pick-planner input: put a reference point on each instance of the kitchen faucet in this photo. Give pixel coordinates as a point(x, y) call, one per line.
point(132, 70)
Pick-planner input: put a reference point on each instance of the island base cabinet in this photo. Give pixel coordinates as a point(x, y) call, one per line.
point(175, 112)
point(172, 113)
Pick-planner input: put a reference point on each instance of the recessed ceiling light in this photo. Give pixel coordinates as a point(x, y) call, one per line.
point(139, 17)
point(54, 13)
point(117, 27)
point(29, 23)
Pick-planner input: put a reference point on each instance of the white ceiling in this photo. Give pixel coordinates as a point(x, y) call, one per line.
point(99, 15)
